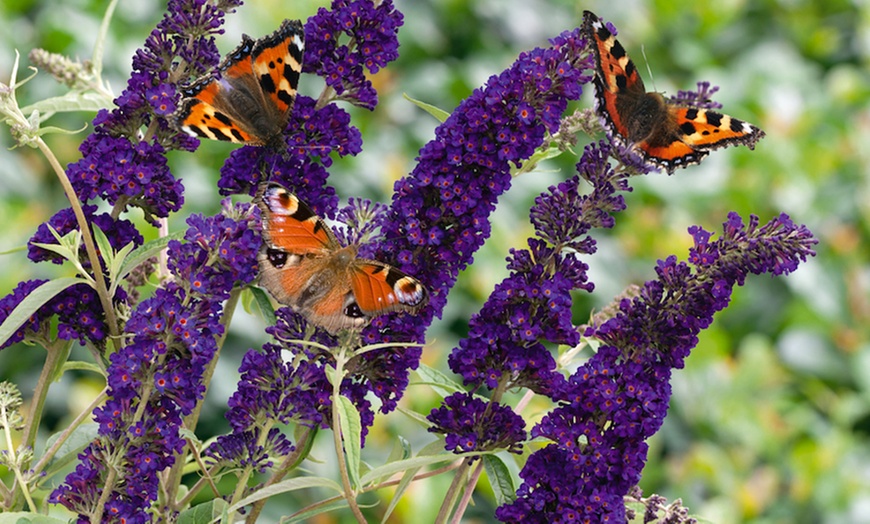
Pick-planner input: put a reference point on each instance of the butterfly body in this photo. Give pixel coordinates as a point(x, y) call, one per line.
point(250, 98)
point(666, 134)
point(303, 266)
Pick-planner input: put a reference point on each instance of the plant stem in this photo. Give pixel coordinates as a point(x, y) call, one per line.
point(50, 452)
point(108, 487)
point(13, 462)
point(90, 247)
point(56, 355)
point(292, 460)
point(452, 493)
point(466, 496)
point(349, 493)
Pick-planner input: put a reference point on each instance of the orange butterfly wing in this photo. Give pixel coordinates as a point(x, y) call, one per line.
point(379, 288)
point(289, 224)
point(295, 240)
point(277, 64)
point(250, 101)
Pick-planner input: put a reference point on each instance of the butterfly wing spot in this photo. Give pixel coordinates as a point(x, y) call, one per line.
point(351, 309)
point(380, 288)
point(291, 225)
point(281, 259)
point(409, 291)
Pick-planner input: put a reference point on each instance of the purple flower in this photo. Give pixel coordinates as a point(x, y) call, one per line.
point(361, 218)
point(78, 310)
point(297, 390)
point(125, 172)
point(440, 213)
point(619, 398)
point(471, 424)
point(155, 379)
point(271, 388)
point(533, 305)
point(702, 98)
point(120, 163)
point(244, 450)
point(370, 28)
point(11, 301)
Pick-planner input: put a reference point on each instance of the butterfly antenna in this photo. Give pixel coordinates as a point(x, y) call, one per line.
point(648, 70)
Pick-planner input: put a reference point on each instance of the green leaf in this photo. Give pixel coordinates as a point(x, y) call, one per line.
point(416, 462)
point(401, 450)
point(440, 114)
point(146, 251)
point(52, 130)
point(62, 250)
point(435, 447)
point(69, 102)
point(203, 513)
point(69, 450)
point(31, 304)
point(265, 304)
point(82, 366)
point(441, 383)
point(351, 434)
point(99, 44)
point(119, 259)
point(103, 245)
point(13, 250)
point(500, 479)
point(286, 486)
point(319, 510)
point(538, 156)
point(419, 418)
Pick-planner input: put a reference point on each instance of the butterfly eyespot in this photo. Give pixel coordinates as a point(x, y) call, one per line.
point(277, 257)
point(352, 310)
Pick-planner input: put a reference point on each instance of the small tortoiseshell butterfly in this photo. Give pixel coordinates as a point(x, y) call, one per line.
point(666, 134)
point(303, 266)
point(249, 99)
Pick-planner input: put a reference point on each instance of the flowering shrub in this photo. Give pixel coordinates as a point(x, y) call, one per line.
point(158, 352)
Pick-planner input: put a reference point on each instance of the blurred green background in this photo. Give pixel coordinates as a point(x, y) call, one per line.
point(769, 421)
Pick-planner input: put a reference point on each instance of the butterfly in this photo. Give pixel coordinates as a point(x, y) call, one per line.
point(303, 266)
point(250, 99)
point(667, 135)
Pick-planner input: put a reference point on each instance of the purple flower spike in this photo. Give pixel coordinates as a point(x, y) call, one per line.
point(471, 424)
point(171, 338)
point(533, 305)
point(370, 28)
point(440, 213)
point(619, 398)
